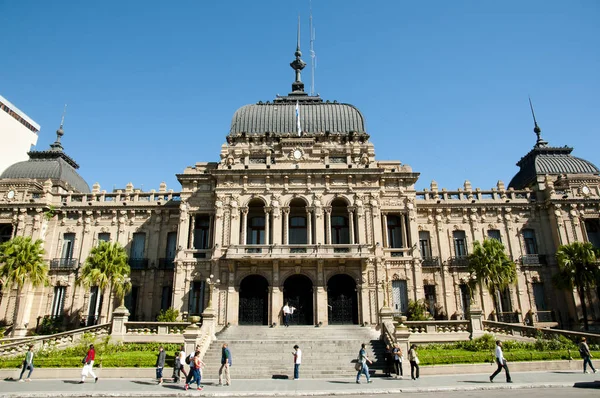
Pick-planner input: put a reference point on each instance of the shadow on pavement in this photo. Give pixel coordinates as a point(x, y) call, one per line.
point(587, 384)
point(145, 383)
point(71, 381)
point(474, 381)
point(565, 372)
point(341, 382)
point(280, 377)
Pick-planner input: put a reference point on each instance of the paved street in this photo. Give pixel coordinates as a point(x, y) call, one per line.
point(322, 387)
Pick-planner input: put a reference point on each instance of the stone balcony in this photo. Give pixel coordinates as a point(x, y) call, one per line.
point(298, 251)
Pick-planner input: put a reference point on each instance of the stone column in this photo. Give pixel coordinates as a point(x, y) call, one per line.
point(328, 226)
point(276, 304)
point(476, 323)
point(192, 232)
point(351, 225)
point(384, 229)
point(244, 225)
point(404, 230)
point(286, 226)
point(309, 226)
point(267, 225)
point(322, 312)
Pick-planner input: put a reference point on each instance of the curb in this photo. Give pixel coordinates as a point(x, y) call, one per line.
point(291, 393)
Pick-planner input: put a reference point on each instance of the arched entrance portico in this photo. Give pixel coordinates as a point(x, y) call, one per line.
point(298, 292)
point(254, 301)
point(342, 300)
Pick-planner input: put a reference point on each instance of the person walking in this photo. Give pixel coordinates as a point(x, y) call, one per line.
point(27, 364)
point(190, 361)
point(179, 365)
point(413, 358)
point(195, 372)
point(364, 368)
point(287, 313)
point(88, 365)
point(501, 361)
point(297, 361)
point(397, 352)
point(584, 352)
point(389, 360)
point(225, 364)
point(160, 364)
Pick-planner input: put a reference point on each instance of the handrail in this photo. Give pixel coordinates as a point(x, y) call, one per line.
point(532, 331)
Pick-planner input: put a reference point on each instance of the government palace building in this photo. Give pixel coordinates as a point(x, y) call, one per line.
point(298, 209)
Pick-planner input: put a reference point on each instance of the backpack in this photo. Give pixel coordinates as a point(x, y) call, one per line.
point(188, 359)
point(582, 352)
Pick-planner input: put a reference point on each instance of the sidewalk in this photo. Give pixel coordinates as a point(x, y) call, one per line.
point(309, 387)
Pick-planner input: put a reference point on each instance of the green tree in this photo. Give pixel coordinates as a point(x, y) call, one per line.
point(577, 268)
point(21, 262)
point(490, 266)
point(107, 268)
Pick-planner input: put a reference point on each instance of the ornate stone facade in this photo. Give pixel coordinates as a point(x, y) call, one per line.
point(310, 218)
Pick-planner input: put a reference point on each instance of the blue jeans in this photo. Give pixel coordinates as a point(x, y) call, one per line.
point(194, 376)
point(25, 365)
point(365, 371)
point(296, 370)
point(586, 360)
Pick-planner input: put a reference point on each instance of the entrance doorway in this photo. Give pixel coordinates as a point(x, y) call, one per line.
point(342, 300)
point(254, 301)
point(298, 293)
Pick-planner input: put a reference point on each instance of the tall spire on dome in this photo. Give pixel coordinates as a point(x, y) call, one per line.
point(298, 65)
point(57, 146)
point(536, 129)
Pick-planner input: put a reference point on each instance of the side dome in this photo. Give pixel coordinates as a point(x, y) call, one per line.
point(53, 164)
point(280, 118)
point(542, 160)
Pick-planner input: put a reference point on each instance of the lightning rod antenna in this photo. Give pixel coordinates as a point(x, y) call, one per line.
point(313, 64)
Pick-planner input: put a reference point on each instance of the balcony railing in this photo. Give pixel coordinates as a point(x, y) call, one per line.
point(166, 263)
point(458, 261)
point(533, 259)
point(545, 316)
point(430, 262)
point(508, 317)
point(64, 263)
point(138, 263)
point(298, 251)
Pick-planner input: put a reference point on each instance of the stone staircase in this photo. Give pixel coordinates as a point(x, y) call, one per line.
point(261, 352)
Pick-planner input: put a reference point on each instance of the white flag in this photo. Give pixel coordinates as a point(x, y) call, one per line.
point(298, 119)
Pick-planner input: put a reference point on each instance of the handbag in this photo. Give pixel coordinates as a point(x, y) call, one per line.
point(358, 366)
point(417, 360)
point(83, 361)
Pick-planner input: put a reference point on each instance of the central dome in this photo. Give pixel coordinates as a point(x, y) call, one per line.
point(279, 117)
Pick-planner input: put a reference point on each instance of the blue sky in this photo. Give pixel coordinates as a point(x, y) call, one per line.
point(151, 86)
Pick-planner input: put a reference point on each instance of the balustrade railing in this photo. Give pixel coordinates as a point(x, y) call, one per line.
point(295, 251)
point(64, 263)
point(438, 326)
point(155, 328)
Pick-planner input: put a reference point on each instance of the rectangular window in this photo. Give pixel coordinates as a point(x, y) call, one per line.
point(5, 232)
point(138, 245)
point(465, 299)
point(94, 306)
point(68, 246)
point(530, 242)
point(539, 296)
point(460, 243)
point(399, 296)
point(430, 299)
point(131, 302)
point(171, 245)
point(58, 302)
point(394, 231)
point(202, 233)
point(425, 244)
point(104, 237)
point(165, 302)
point(196, 305)
point(592, 227)
point(494, 234)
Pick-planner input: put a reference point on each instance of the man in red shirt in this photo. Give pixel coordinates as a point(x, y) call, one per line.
point(88, 365)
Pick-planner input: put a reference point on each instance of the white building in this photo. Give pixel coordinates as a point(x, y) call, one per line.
point(17, 134)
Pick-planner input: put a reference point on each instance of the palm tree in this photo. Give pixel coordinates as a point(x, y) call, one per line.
point(107, 267)
point(21, 262)
point(577, 268)
point(490, 266)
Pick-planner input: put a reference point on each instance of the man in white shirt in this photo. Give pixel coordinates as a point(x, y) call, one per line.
point(501, 361)
point(287, 312)
point(297, 361)
point(180, 364)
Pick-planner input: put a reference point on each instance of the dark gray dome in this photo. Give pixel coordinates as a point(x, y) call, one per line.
point(542, 160)
point(280, 118)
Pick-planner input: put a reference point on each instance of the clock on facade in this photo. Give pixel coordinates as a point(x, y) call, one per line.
point(585, 190)
point(297, 154)
point(10, 194)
